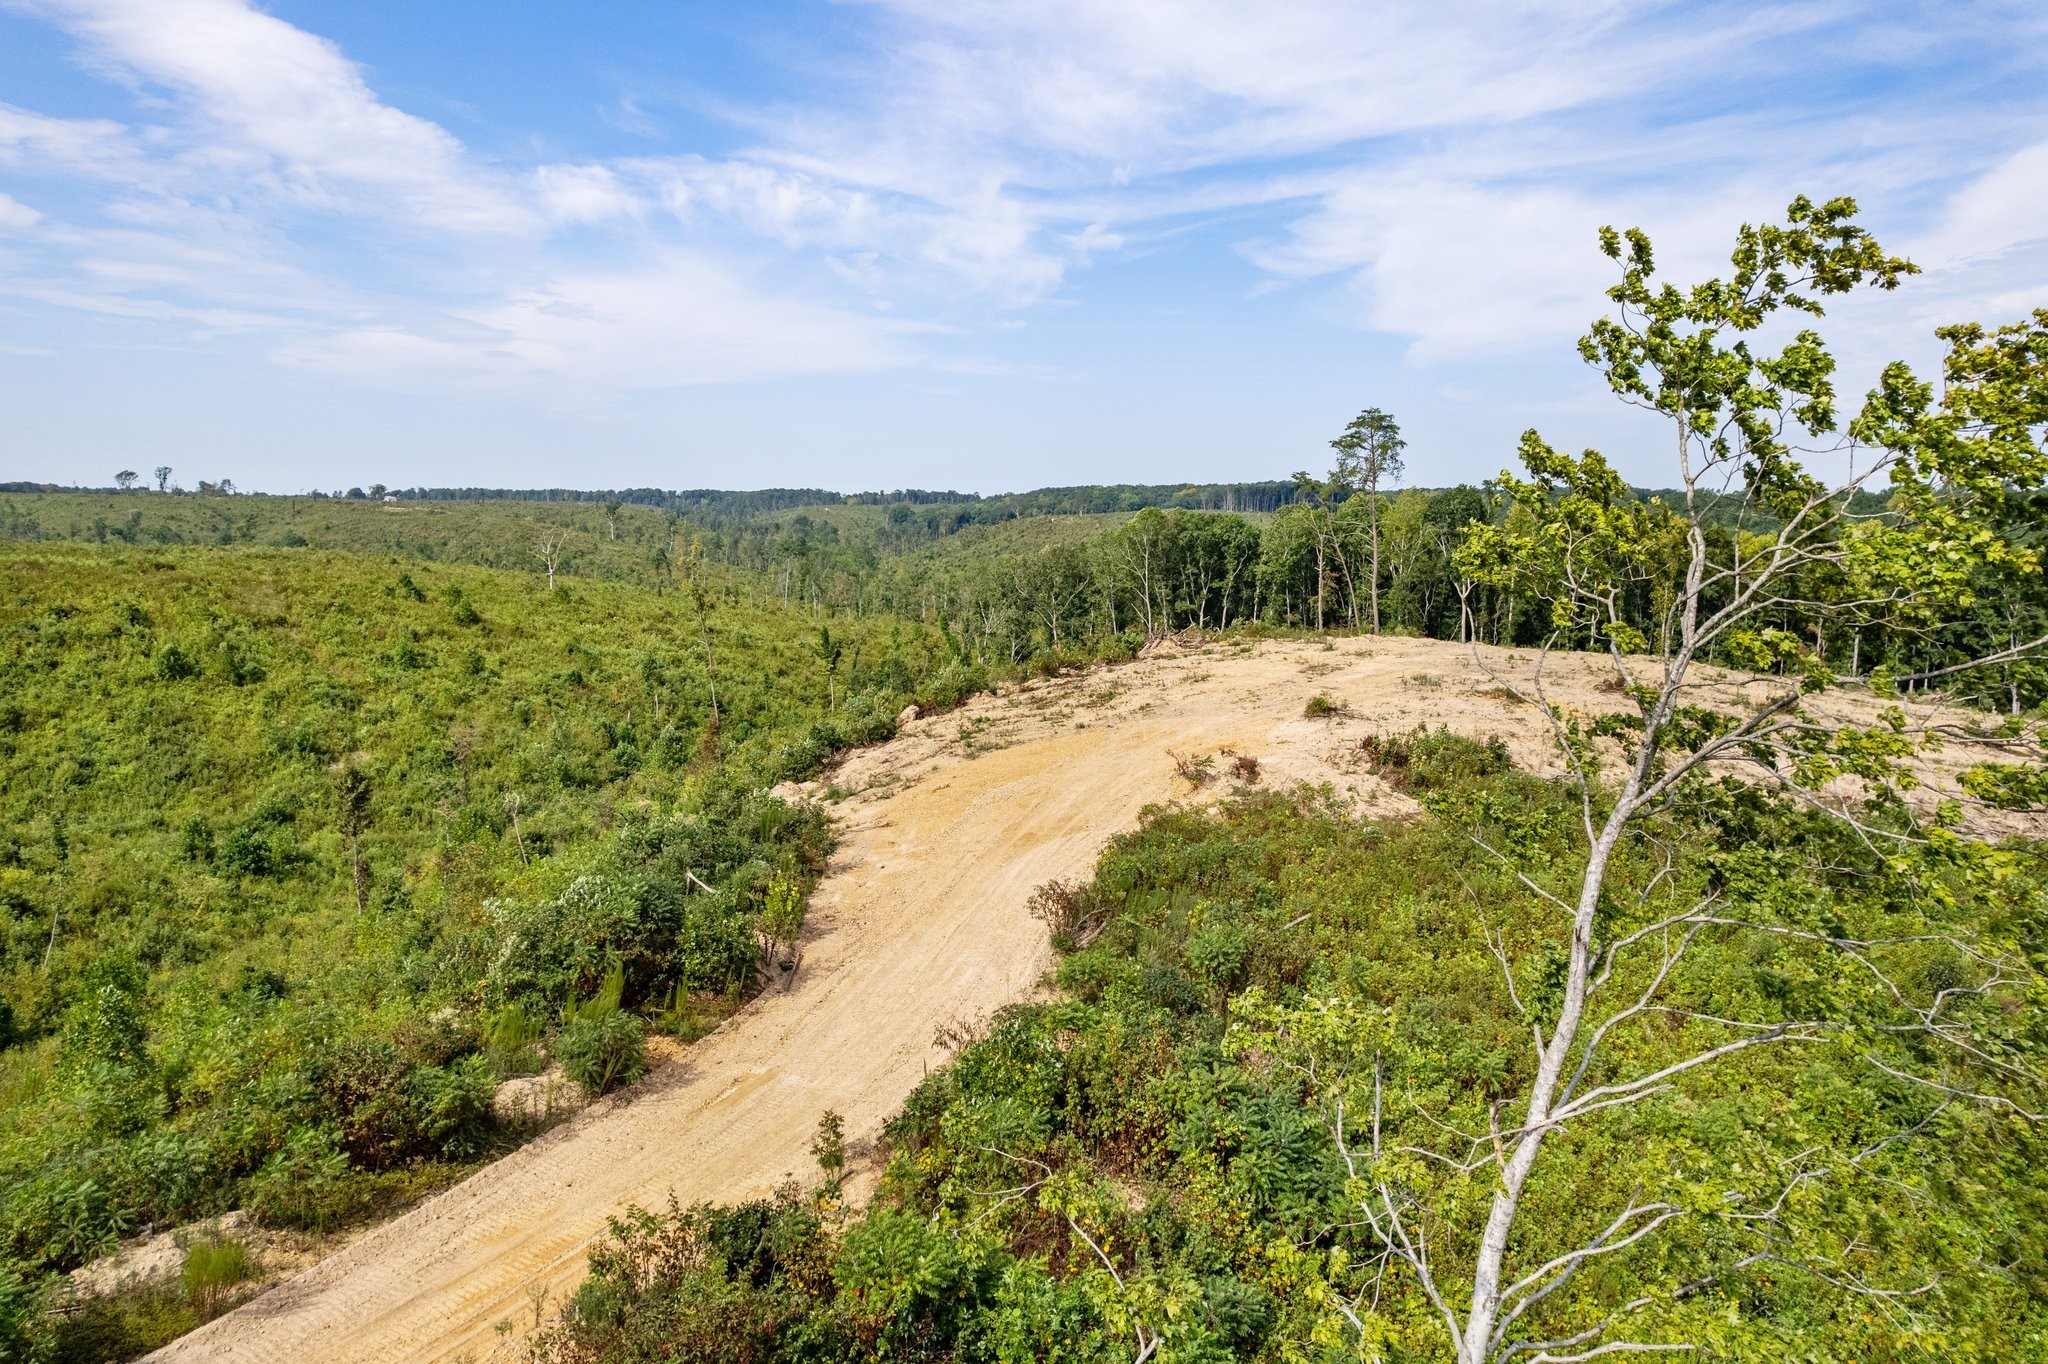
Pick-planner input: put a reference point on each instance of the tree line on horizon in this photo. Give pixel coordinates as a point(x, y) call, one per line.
point(1051, 589)
point(972, 508)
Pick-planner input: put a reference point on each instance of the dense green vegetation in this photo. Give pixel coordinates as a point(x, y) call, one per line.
point(1161, 1154)
point(1060, 572)
point(1011, 589)
point(301, 852)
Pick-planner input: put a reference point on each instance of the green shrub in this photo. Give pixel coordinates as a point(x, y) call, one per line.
point(175, 665)
point(604, 1052)
point(951, 685)
point(250, 850)
point(190, 824)
point(702, 1284)
point(238, 665)
point(901, 1279)
point(1088, 973)
point(865, 718)
point(305, 1185)
point(24, 1329)
point(1323, 706)
point(389, 1107)
point(124, 1326)
point(214, 1267)
point(1168, 989)
point(782, 910)
point(104, 1021)
point(802, 758)
point(828, 1144)
point(1217, 955)
point(195, 840)
point(1425, 760)
point(510, 1045)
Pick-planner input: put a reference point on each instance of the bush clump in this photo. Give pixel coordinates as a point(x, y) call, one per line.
point(951, 685)
point(1424, 760)
point(214, 1267)
point(1323, 706)
point(605, 1052)
point(175, 665)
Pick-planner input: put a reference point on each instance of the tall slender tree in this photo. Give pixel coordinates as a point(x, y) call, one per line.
point(1369, 455)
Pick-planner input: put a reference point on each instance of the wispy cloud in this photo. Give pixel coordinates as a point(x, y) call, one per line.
point(15, 215)
point(1435, 170)
point(576, 337)
point(283, 111)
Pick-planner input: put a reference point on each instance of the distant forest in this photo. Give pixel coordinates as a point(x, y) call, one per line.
point(714, 505)
point(1030, 579)
point(1090, 499)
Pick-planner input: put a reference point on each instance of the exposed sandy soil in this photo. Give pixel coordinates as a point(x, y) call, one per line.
point(921, 925)
point(155, 1262)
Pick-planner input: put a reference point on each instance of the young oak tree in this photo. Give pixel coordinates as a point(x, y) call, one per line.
point(1929, 1006)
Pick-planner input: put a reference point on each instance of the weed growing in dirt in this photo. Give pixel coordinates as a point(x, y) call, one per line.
point(214, 1267)
point(1323, 706)
point(1072, 914)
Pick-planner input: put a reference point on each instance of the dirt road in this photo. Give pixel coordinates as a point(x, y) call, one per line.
point(921, 923)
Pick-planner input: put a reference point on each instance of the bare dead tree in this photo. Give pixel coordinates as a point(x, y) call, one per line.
point(550, 552)
point(512, 804)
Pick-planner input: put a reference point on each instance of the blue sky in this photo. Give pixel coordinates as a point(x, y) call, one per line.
point(939, 243)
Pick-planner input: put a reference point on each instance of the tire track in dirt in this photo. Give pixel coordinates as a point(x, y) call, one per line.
point(921, 923)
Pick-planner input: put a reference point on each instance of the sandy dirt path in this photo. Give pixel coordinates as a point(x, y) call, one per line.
point(920, 924)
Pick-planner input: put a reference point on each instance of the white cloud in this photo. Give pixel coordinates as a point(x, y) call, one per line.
point(1461, 267)
point(583, 194)
point(264, 123)
point(792, 209)
point(986, 240)
point(1467, 266)
point(98, 148)
point(15, 216)
point(683, 320)
point(1168, 83)
point(287, 109)
point(2003, 208)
